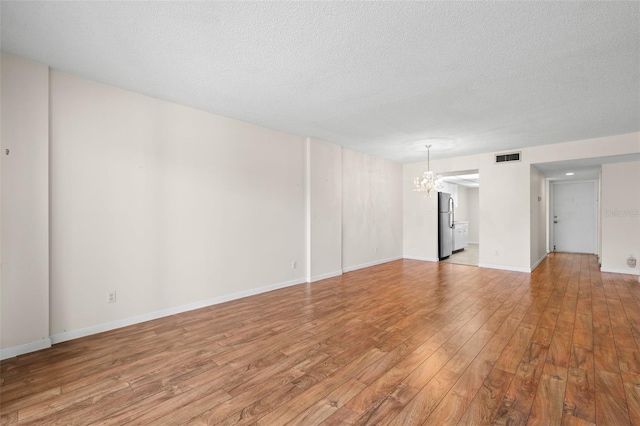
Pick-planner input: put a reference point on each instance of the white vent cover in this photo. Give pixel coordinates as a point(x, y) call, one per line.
point(504, 158)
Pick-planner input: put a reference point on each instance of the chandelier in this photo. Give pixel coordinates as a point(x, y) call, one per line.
point(429, 181)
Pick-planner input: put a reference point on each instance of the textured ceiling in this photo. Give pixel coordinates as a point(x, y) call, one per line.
point(376, 77)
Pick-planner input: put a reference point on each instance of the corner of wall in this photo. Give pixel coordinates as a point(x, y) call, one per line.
point(24, 207)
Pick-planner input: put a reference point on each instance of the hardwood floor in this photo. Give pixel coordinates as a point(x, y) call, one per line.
point(406, 342)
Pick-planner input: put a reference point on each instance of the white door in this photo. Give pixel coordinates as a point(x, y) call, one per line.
point(574, 217)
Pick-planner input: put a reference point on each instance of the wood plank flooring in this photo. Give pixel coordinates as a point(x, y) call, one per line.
point(406, 342)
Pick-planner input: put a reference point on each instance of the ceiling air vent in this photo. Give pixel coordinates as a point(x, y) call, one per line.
point(504, 158)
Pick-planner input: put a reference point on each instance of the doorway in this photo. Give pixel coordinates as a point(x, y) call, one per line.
point(464, 187)
point(574, 217)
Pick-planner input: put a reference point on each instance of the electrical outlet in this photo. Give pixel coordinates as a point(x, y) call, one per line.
point(631, 262)
point(294, 264)
point(112, 297)
point(497, 252)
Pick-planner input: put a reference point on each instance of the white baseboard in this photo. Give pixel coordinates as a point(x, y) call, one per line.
point(25, 349)
point(424, 259)
point(87, 331)
point(535, 265)
point(473, 242)
point(504, 267)
point(325, 276)
point(620, 271)
point(368, 264)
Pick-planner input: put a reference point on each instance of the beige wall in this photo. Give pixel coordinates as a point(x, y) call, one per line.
point(462, 209)
point(538, 212)
point(164, 204)
point(504, 215)
point(325, 209)
point(503, 225)
point(473, 197)
point(419, 218)
point(24, 295)
point(620, 207)
point(174, 208)
point(355, 216)
point(469, 210)
point(371, 210)
point(170, 207)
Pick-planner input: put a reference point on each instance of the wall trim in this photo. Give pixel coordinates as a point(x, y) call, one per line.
point(326, 276)
point(620, 271)
point(504, 267)
point(14, 351)
point(473, 242)
point(535, 265)
point(424, 259)
point(87, 331)
point(368, 264)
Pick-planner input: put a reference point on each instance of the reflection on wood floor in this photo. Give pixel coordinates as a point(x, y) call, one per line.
point(407, 342)
point(469, 256)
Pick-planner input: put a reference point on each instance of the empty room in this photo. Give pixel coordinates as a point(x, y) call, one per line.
point(305, 213)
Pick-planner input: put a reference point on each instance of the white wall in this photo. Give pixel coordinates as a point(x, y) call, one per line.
point(599, 217)
point(175, 208)
point(372, 210)
point(170, 207)
point(503, 212)
point(420, 211)
point(504, 215)
point(24, 295)
point(325, 205)
point(166, 205)
point(620, 207)
point(469, 210)
point(473, 197)
point(420, 219)
point(504, 200)
point(462, 209)
point(538, 214)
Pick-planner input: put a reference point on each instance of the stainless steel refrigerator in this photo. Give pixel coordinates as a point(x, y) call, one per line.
point(445, 225)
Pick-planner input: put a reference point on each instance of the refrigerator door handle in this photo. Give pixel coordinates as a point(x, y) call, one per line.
point(452, 215)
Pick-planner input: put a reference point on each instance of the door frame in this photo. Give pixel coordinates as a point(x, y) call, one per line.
point(596, 193)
